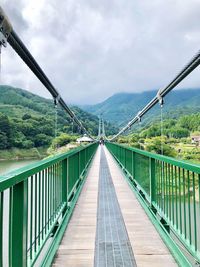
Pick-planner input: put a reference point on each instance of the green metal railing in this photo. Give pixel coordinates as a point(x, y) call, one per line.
point(36, 202)
point(170, 188)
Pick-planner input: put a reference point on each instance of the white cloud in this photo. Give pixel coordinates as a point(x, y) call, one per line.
point(92, 49)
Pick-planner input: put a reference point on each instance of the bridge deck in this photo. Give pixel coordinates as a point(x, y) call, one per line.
point(80, 246)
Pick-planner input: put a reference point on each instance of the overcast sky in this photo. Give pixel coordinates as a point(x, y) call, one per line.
point(91, 49)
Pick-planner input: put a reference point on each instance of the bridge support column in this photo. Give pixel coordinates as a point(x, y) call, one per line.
point(18, 224)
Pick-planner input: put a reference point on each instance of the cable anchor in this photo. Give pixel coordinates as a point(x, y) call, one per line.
point(5, 28)
point(129, 125)
point(160, 98)
point(138, 116)
point(56, 100)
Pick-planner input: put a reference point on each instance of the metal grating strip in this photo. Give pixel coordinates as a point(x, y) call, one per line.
point(112, 245)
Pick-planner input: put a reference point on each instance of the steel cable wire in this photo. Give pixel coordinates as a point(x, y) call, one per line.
point(26, 56)
point(194, 63)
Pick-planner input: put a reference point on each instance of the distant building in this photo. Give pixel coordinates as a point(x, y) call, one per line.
point(84, 139)
point(195, 139)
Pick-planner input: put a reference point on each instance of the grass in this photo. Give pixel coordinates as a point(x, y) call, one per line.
point(16, 153)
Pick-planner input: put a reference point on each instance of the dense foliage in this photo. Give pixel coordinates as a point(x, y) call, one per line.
point(175, 140)
point(27, 120)
point(177, 128)
point(119, 108)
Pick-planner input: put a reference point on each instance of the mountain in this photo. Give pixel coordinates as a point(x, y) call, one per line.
point(28, 120)
point(121, 107)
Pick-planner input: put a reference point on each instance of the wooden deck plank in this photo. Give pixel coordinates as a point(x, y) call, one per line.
point(78, 244)
point(148, 247)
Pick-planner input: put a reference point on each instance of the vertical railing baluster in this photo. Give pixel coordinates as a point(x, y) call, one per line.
point(194, 212)
point(35, 215)
point(176, 192)
point(133, 165)
point(198, 185)
point(180, 200)
point(43, 211)
point(161, 185)
point(52, 191)
point(152, 180)
point(39, 208)
point(164, 184)
point(184, 204)
point(55, 188)
point(61, 182)
point(46, 222)
point(48, 200)
point(169, 184)
point(189, 208)
point(167, 189)
point(1, 228)
point(172, 192)
point(18, 224)
point(157, 185)
point(64, 182)
point(31, 218)
point(54, 202)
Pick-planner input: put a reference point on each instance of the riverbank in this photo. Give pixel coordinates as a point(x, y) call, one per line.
point(18, 154)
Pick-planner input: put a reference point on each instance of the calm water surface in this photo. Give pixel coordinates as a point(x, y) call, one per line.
point(10, 165)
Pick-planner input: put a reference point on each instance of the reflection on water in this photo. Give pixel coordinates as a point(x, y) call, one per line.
point(10, 165)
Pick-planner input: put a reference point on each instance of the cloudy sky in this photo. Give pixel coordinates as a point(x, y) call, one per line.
point(91, 49)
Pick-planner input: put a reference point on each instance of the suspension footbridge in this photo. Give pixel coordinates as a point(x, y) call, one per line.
point(99, 205)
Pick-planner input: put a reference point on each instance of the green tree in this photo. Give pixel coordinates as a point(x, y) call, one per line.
point(62, 140)
point(3, 141)
point(157, 145)
point(42, 140)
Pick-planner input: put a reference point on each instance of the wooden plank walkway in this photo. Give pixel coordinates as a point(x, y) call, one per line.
point(147, 245)
point(78, 244)
point(77, 248)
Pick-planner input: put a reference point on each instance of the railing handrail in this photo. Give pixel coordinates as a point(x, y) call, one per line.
point(11, 178)
point(170, 190)
point(177, 162)
point(42, 197)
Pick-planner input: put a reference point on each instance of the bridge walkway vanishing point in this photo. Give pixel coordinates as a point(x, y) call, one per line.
point(109, 227)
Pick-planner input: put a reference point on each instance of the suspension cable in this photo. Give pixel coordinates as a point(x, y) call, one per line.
point(193, 64)
point(10, 36)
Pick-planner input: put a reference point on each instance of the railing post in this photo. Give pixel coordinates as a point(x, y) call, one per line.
point(64, 181)
point(133, 164)
point(152, 180)
point(79, 164)
point(18, 225)
point(1, 229)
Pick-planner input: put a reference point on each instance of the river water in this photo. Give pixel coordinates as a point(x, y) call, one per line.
point(10, 165)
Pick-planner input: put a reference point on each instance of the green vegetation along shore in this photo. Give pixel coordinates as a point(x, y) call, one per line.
point(18, 154)
point(173, 138)
point(28, 122)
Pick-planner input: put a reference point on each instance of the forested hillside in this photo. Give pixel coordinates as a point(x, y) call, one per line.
point(119, 108)
point(27, 120)
point(172, 137)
